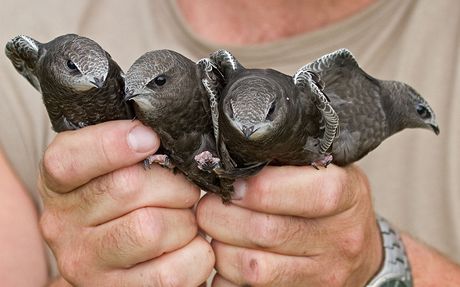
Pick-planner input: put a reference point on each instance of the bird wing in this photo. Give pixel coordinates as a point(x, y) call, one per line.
point(308, 81)
point(355, 96)
point(213, 77)
point(23, 54)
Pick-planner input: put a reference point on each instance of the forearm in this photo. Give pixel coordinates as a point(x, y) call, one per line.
point(429, 267)
point(22, 249)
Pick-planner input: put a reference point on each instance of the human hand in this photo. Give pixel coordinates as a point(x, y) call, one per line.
point(295, 226)
point(109, 222)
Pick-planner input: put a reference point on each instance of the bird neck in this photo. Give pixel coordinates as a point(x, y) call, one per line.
point(392, 101)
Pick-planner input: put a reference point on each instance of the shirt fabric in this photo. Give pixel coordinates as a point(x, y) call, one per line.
point(414, 175)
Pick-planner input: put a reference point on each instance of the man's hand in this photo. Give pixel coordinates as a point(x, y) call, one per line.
point(295, 226)
point(109, 222)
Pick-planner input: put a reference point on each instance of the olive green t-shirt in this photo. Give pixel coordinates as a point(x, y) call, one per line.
point(415, 176)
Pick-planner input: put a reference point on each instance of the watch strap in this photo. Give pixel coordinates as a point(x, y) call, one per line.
point(395, 270)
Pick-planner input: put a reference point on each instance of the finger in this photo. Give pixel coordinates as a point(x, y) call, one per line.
point(219, 281)
point(115, 194)
point(247, 267)
point(301, 190)
point(281, 234)
point(75, 157)
point(188, 266)
point(141, 235)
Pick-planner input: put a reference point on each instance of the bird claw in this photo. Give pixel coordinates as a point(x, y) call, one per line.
point(160, 159)
point(323, 162)
point(206, 162)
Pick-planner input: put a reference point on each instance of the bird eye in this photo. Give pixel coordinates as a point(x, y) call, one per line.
point(160, 80)
point(271, 111)
point(71, 65)
point(423, 112)
point(229, 111)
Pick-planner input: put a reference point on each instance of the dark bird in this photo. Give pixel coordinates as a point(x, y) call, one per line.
point(264, 116)
point(329, 110)
point(168, 96)
point(80, 83)
point(370, 110)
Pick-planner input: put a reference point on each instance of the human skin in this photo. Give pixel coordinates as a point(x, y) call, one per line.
point(260, 21)
point(429, 267)
point(295, 226)
point(22, 247)
point(284, 205)
point(109, 221)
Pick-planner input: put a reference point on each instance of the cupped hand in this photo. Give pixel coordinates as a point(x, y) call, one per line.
point(295, 226)
point(109, 221)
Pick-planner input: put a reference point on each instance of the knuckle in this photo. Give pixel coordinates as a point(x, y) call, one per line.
point(67, 268)
point(71, 267)
point(264, 189)
point(193, 193)
point(362, 185)
point(336, 274)
point(57, 164)
point(50, 227)
point(171, 273)
point(209, 253)
point(255, 270)
point(121, 185)
point(140, 229)
point(125, 183)
point(268, 231)
point(261, 184)
point(352, 242)
point(167, 278)
point(330, 193)
point(334, 278)
point(148, 227)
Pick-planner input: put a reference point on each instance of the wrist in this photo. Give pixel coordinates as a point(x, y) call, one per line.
point(395, 269)
point(429, 267)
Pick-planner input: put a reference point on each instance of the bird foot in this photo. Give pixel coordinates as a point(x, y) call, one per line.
point(227, 193)
point(160, 159)
point(206, 162)
point(323, 162)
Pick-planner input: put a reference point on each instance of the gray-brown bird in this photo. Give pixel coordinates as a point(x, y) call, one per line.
point(264, 116)
point(329, 107)
point(370, 110)
point(167, 94)
point(80, 83)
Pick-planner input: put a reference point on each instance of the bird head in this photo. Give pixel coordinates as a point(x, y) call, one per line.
point(158, 80)
point(255, 107)
point(76, 62)
point(420, 114)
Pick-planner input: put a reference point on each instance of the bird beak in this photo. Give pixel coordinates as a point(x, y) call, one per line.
point(131, 93)
point(141, 101)
point(435, 129)
point(98, 82)
point(247, 131)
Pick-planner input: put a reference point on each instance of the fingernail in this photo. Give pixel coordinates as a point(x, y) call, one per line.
point(239, 187)
point(142, 139)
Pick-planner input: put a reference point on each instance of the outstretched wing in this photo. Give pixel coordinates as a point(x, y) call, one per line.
point(306, 79)
point(217, 69)
point(356, 98)
point(23, 54)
